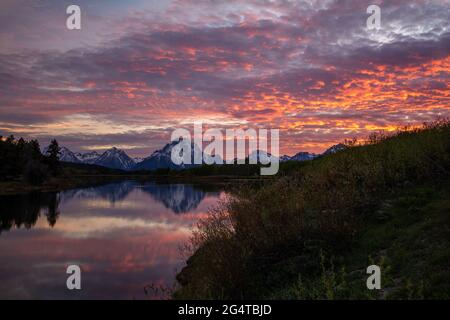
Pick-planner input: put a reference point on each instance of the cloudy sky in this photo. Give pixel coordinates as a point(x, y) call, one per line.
point(140, 68)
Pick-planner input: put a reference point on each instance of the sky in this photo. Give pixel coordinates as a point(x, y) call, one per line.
point(139, 69)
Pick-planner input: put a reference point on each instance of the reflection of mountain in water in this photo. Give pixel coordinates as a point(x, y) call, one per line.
point(180, 198)
point(24, 210)
point(112, 192)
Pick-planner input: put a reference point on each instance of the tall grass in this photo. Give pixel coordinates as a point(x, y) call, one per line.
point(260, 239)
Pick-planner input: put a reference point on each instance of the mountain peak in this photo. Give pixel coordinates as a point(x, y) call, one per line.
point(115, 158)
point(65, 155)
point(162, 158)
point(300, 156)
point(336, 148)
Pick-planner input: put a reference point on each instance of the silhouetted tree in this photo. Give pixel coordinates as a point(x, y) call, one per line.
point(22, 158)
point(53, 153)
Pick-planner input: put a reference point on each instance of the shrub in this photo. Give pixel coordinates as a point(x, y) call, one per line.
point(265, 237)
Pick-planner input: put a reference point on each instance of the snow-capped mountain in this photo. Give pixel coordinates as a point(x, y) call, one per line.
point(303, 156)
point(65, 155)
point(112, 158)
point(161, 159)
point(336, 148)
point(259, 155)
point(285, 158)
point(88, 157)
point(306, 156)
point(115, 159)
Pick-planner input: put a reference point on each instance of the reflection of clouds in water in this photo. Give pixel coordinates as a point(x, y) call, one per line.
point(84, 227)
point(121, 245)
point(96, 203)
point(116, 267)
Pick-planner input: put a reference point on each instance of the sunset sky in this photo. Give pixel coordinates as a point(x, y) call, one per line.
point(138, 69)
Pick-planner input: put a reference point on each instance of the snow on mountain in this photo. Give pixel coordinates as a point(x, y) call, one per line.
point(306, 156)
point(300, 156)
point(68, 156)
point(285, 158)
point(112, 158)
point(88, 157)
point(65, 155)
point(303, 156)
point(260, 156)
point(336, 148)
point(118, 159)
point(115, 159)
point(161, 159)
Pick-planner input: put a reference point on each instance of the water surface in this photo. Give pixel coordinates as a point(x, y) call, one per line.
point(124, 236)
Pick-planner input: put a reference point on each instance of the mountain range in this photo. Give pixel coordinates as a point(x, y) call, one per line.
point(115, 158)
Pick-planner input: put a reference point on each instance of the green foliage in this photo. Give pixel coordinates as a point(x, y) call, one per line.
point(329, 285)
point(261, 239)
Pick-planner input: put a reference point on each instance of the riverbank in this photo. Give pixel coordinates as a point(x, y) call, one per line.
point(313, 233)
point(54, 184)
point(64, 182)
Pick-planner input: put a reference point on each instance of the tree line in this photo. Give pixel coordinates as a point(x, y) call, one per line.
point(23, 159)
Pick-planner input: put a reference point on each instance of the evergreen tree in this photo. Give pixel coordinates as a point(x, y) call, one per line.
point(53, 153)
point(23, 159)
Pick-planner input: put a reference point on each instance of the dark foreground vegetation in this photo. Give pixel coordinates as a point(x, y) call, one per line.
point(25, 169)
point(23, 159)
point(311, 233)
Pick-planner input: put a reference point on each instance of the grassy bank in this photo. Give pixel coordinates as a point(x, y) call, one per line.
point(312, 232)
point(407, 237)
